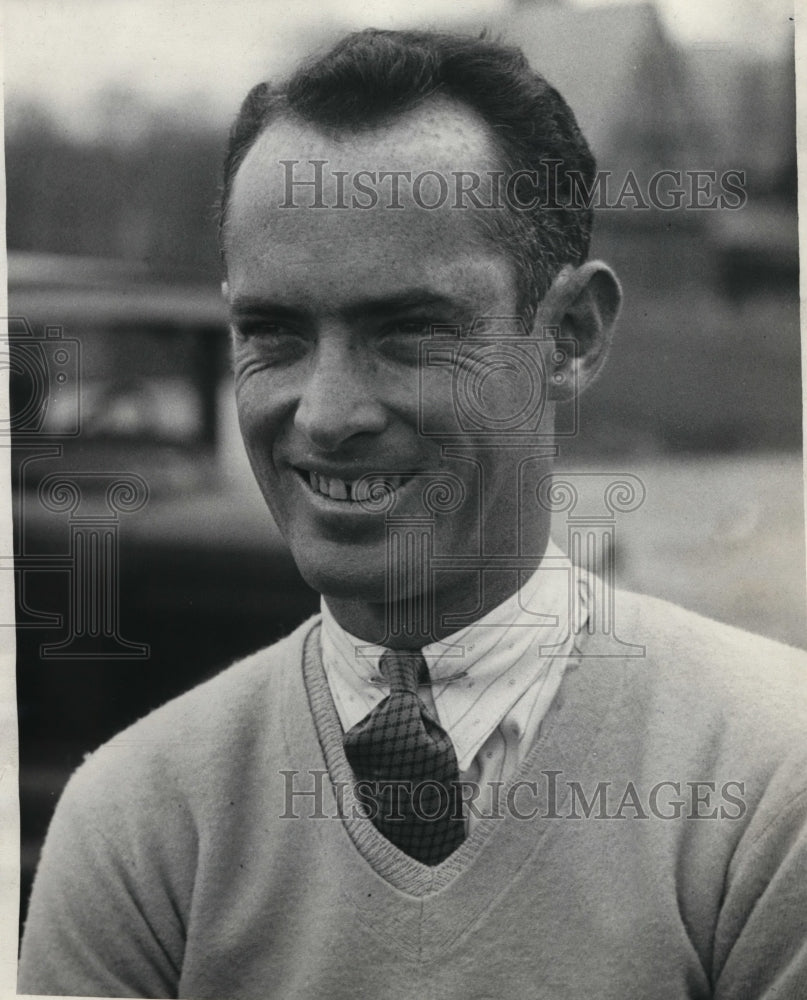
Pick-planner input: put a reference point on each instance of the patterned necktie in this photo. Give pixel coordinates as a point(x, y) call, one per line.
point(406, 766)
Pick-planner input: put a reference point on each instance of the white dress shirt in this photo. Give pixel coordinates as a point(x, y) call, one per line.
point(510, 662)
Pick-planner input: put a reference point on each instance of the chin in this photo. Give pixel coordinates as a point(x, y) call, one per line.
point(344, 582)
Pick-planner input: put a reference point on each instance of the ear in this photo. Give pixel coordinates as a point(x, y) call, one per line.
point(582, 304)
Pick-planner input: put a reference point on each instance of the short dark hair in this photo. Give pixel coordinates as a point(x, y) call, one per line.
point(371, 76)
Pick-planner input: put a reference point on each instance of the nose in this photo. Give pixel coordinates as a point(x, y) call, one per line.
point(340, 397)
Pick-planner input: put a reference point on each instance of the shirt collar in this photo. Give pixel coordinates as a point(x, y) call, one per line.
point(499, 656)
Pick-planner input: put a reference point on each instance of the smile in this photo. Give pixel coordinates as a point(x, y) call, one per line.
point(348, 491)
point(330, 486)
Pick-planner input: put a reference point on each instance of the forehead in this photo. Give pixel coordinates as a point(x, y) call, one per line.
point(274, 228)
point(440, 136)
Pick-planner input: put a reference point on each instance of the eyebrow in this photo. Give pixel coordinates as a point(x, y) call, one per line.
point(248, 305)
point(383, 305)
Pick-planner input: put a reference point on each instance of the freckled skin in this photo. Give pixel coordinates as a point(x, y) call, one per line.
point(324, 381)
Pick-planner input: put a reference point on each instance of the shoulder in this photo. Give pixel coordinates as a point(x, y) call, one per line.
point(201, 737)
point(726, 694)
point(702, 650)
point(145, 815)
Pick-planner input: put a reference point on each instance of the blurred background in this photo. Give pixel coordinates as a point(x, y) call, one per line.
point(145, 559)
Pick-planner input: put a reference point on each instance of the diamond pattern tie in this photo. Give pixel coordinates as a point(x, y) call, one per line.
point(406, 766)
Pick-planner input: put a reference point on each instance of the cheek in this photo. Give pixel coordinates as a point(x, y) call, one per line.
point(259, 422)
point(484, 386)
point(486, 394)
point(250, 414)
point(264, 397)
point(436, 407)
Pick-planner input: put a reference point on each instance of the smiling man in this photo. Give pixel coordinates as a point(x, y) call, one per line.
point(444, 785)
point(330, 309)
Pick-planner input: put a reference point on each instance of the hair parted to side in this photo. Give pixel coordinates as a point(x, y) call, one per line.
point(369, 77)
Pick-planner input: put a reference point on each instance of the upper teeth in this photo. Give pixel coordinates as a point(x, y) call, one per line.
point(341, 489)
point(337, 489)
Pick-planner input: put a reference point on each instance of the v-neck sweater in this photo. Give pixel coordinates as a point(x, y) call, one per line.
point(186, 859)
point(491, 682)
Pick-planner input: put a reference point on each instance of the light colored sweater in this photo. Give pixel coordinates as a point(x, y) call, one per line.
point(169, 870)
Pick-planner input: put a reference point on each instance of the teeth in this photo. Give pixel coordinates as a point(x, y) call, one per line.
point(341, 489)
point(336, 489)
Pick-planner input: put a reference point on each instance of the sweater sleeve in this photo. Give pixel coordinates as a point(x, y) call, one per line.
point(761, 937)
point(105, 913)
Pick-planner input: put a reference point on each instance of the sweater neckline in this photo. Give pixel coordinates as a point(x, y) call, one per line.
point(498, 846)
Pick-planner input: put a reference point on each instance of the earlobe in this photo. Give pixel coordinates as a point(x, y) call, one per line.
point(583, 305)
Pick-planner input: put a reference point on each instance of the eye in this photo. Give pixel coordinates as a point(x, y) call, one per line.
point(400, 339)
point(412, 327)
point(269, 341)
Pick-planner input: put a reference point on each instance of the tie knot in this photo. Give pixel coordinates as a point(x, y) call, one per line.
point(405, 669)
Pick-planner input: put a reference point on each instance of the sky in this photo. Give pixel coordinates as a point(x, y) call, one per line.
point(62, 52)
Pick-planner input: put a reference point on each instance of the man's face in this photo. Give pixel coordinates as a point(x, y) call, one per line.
point(329, 307)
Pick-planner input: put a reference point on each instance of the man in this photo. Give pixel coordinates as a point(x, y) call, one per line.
point(451, 783)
